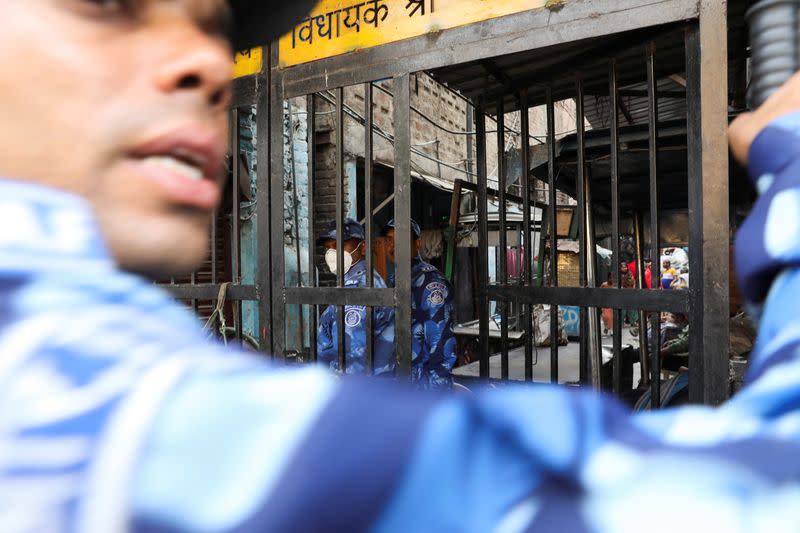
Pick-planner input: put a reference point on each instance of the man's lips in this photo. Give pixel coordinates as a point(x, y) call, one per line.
point(184, 164)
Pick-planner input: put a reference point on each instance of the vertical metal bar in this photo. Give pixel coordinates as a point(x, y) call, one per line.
point(269, 154)
point(483, 241)
point(709, 222)
point(311, 107)
point(582, 246)
point(275, 174)
point(214, 247)
point(655, 235)
point(544, 230)
point(503, 277)
point(594, 346)
point(402, 216)
point(644, 352)
point(235, 233)
point(526, 228)
point(340, 223)
point(193, 281)
point(614, 131)
point(470, 110)
point(296, 215)
point(551, 186)
point(235, 195)
point(368, 119)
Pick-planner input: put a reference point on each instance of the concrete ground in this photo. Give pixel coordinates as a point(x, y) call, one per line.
point(568, 363)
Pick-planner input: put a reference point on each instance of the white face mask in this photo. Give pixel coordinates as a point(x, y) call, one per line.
point(330, 259)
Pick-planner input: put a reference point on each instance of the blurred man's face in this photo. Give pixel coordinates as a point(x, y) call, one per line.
point(415, 245)
point(123, 102)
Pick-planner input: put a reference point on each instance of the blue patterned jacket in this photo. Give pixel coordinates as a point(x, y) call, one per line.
point(433, 342)
point(355, 334)
point(117, 415)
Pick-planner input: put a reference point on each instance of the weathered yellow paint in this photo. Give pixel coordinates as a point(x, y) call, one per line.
point(340, 26)
point(247, 63)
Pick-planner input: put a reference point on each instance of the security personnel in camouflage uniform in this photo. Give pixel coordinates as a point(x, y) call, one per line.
point(433, 341)
point(355, 337)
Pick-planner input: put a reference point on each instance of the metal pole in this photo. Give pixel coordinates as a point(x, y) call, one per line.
point(483, 241)
point(594, 348)
point(584, 252)
point(311, 106)
point(296, 215)
point(470, 150)
point(655, 235)
point(501, 204)
point(368, 118)
point(614, 131)
point(340, 224)
point(551, 181)
point(402, 214)
point(709, 229)
point(269, 209)
point(235, 255)
point(214, 247)
point(644, 362)
point(525, 279)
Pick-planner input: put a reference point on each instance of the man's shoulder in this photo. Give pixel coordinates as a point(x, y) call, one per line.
point(430, 275)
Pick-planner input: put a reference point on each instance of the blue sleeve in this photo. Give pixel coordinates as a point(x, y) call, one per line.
point(327, 351)
point(437, 304)
point(383, 339)
point(768, 246)
point(518, 459)
point(355, 338)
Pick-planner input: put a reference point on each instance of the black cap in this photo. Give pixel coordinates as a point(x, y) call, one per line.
point(350, 230)
point(259, 22)
point(414, 228)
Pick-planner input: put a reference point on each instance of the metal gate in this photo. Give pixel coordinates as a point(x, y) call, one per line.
point(592, 46)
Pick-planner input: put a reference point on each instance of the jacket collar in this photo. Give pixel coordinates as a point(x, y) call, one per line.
point(46, 230)
point(356, 271)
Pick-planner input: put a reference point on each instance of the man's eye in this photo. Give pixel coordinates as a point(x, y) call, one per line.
point(112, 5)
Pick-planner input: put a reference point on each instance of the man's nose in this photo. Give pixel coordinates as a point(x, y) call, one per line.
point(200, 65)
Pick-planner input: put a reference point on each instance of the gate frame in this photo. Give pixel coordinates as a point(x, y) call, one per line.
point(707, 68)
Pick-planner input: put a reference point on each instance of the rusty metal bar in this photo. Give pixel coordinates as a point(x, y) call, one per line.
point(368, 161)
point(236, 275)
point(193, 282)
point(269, 207)
point(655, 235)
point(214, 247)
point(644, 352)
point(672, 301)
point(594, 348)
point(709, 221)
point(483, 241)
point(551, 189)
point(208, 292)
point(336, 296)
point(525, 278)
point(501, 205)
point(311, 121)
point(340, 224)
point(615, 177)
point(402, 217)
point(296, 216)
point(582, 246)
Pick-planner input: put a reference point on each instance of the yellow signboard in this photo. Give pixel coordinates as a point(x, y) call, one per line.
point(339, 26)
point(247, 63)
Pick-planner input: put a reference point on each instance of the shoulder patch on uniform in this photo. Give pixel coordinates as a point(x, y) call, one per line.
point(437, 293)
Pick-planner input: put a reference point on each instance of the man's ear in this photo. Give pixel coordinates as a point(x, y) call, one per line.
point(416, 246)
